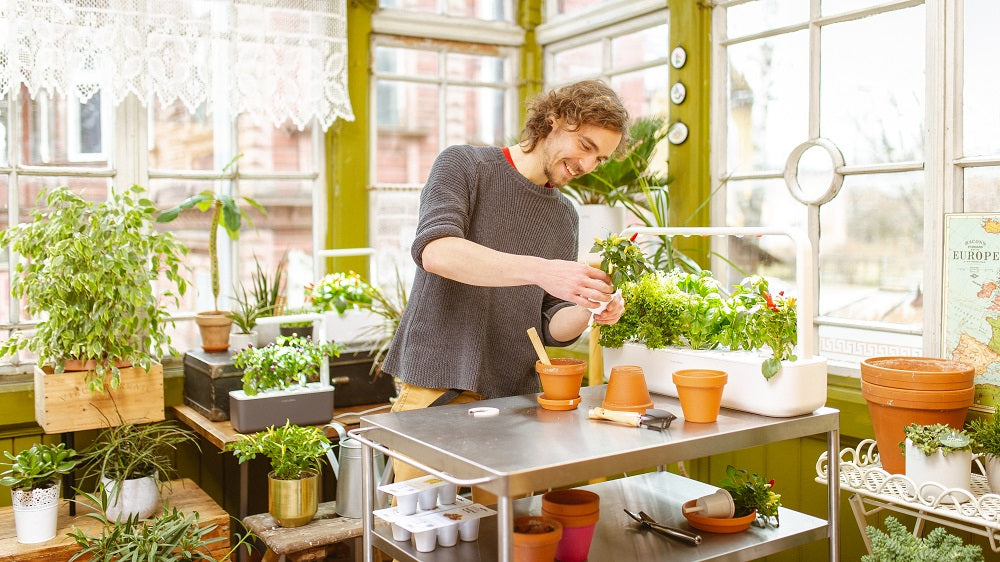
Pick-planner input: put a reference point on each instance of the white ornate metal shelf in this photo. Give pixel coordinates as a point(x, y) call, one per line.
point(976, 510)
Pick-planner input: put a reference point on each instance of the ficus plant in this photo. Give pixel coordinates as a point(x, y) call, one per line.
point(90, 272)
point(226, 213)
point(291, 449)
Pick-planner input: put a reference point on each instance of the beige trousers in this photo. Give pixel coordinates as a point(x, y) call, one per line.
point(415, 397)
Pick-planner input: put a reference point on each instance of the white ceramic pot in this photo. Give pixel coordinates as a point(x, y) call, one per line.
point(35, 513)
point(267, 333)
point(239, 342)
point(352, 328)
point(138, 496)
point(932, 474)
point(992, 466)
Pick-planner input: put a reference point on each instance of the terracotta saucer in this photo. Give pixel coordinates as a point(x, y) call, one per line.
point(558, 404)
point(718, 524)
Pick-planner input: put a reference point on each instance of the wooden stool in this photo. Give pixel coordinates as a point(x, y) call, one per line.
point(312, 541)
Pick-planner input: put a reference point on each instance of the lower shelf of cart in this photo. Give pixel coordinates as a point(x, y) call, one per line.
point(618, 537)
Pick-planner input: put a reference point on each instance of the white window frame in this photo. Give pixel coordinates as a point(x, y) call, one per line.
point(942, 164)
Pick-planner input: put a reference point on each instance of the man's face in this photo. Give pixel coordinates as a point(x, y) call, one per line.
point(568, 154)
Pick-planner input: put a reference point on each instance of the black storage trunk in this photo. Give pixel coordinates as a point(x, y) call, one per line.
point(208, 378)
point(349, 373)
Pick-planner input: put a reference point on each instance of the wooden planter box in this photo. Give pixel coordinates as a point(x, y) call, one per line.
point(64, 403)
point(799, 388)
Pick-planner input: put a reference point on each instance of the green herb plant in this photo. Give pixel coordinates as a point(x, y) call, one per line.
point(929, 439)
point(291, 449)
point(760, 319)
point(339, 291)
point(291, 360)
point(295, 311)
point(985, 433)
point(653, 308)
point(226, 213)
point(133, 450)
point(170, 535)
point(89, 273)
point(900, 544)
point(38, 466)
point(390, 308)
point(751, 492)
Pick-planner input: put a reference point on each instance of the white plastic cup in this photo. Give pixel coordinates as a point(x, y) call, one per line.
point(407, 503)
point(425, 541)
point(468, 530)
point(719, 504)
point(447, 494)
point(448, 535)
point(428, 499)
point(399, 534)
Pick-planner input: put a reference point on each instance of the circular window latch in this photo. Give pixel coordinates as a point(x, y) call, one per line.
point(812, 172)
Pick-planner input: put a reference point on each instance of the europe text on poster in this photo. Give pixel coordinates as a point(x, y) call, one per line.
point(972, 299)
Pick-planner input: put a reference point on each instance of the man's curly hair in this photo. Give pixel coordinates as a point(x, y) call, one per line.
point(589, 102)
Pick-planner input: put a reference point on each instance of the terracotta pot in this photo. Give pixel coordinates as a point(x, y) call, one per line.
point(562, 379)
point(215, 327)
point(700, 393)
point(627, 390)
point(578, 511)
point(717, 524)
point(917, 373)
point(892, 409)
point(536, 538)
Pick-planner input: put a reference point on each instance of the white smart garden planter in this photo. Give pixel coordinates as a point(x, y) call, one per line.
point(35, 513)
point(311, 404)
point(799, 388)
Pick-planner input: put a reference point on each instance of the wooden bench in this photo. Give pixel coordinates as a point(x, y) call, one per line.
point(183, 494)
point(313, 541)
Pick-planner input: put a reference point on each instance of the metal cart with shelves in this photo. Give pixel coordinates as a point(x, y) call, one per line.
point(527, 449)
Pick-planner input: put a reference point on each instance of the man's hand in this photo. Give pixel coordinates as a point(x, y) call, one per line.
point(575, 282)
point(613, 312)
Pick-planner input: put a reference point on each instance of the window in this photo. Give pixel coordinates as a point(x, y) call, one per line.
point(856, 73)
point(427, 94)
point(630, 54)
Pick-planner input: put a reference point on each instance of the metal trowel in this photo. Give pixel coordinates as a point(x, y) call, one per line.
point(653, 418)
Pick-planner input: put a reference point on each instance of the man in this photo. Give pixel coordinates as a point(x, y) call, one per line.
point(496, 248)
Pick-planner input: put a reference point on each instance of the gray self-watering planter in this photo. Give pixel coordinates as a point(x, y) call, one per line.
point(311, 404)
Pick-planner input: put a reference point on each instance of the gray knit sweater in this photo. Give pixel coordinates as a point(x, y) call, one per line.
point(454, 335)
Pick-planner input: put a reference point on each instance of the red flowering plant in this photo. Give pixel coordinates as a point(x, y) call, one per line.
point(759, 318)
point(751, 492)
point(621, 258)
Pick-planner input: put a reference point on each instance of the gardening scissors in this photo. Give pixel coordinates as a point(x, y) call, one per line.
point(648, 522)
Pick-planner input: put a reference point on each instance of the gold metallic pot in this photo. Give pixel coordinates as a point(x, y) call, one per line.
point(293, 503)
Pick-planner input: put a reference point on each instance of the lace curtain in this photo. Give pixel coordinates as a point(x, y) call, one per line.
point(276, 60)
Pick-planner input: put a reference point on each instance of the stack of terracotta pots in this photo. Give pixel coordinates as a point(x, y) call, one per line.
point(905, 390)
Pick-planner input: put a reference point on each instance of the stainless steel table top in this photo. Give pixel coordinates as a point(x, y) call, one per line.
point(529, 448)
